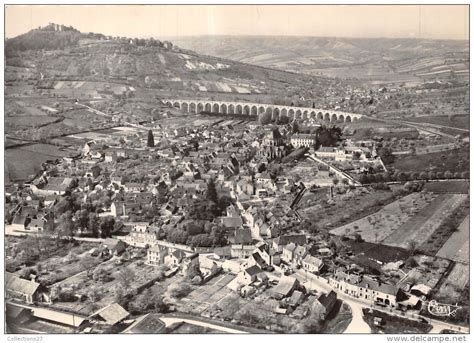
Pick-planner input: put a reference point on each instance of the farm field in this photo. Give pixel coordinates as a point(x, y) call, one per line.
point(23, 162)
point(378, 226)
point(213, 292)
point(421, 226)
point(461, 187)
point(456, 247)
point(454, 161)
point(25, 122)
point(461, 121)
point(459, 275)
point(344, 208)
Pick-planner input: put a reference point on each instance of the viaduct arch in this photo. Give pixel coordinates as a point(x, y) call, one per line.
point(254, 109)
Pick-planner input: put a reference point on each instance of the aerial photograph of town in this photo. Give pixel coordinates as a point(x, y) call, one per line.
point(236, 169)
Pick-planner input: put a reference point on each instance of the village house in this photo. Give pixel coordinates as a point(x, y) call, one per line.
point(242, 244)
point(133, 187)
point(366, 288)
point(280, 242)
point(252, 274)
point(23, 290)
point(109, 315)
point(325, 304)
point(312, 264)
point(156, 255)
point(285, 287)
point(114, 246)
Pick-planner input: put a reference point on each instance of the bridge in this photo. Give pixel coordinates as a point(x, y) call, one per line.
point(254, 109)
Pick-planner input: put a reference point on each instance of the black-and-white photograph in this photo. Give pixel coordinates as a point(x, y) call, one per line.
point(236, 169)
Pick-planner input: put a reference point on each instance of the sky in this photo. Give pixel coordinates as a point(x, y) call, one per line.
point(391, 21)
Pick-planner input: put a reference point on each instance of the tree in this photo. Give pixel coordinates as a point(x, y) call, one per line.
point(93, 224)
point(328, 136)
point(335, 181)
point(179, 290)
point(265, 118)
point(295, 127)
point(363, 179)
point(66, 226)
point(211, 193)
point(106, 225)
point(100, 274)
point(386, 155)
point(125, 277)
point(448, 174)
point(151, 139)
point(411, 245)
point(312, 324)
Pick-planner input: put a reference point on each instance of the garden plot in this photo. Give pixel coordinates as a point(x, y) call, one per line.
point(421, 226)
point(380, 225)
point(208, 294)
point(459, 275)
point(429, 271)
point(456, 247)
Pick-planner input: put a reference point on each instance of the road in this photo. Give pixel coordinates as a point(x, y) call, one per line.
point(358, 325)
point(171, 320)
point(126, 123)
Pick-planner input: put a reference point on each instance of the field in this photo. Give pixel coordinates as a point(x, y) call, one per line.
point(380, 225)
point(459, 275)
point(213, 292)
point(456, 248)
point(453, 161)
point(394, 324)
point(23, 162)
point(83, 284)
point(343, 207)
point(422, 225)
point(461, 122)
point(461, 187)
point(26, 122)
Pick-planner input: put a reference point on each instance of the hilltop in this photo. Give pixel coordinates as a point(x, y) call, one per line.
point(55, 53)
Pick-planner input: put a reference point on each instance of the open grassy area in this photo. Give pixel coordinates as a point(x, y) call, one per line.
point(425, 222)
point(394, 324)
point(345, 208)
point(456, 248)
point(453, 161)
point(449, 226)
point(461, 122)
point(187, 328)
point(461, 187)
point(23, 162)
point(382, 224)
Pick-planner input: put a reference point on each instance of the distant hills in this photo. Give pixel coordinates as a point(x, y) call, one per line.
point(57, 53)
point(381, 59)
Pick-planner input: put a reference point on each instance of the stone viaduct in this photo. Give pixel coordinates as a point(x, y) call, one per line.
point(254, 109)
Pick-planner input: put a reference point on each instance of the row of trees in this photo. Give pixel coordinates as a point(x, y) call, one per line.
point(405, 176)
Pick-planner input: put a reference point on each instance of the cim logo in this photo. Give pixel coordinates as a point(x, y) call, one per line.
point(442, 310)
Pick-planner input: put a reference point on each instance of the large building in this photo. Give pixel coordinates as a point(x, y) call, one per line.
point(303, 140)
